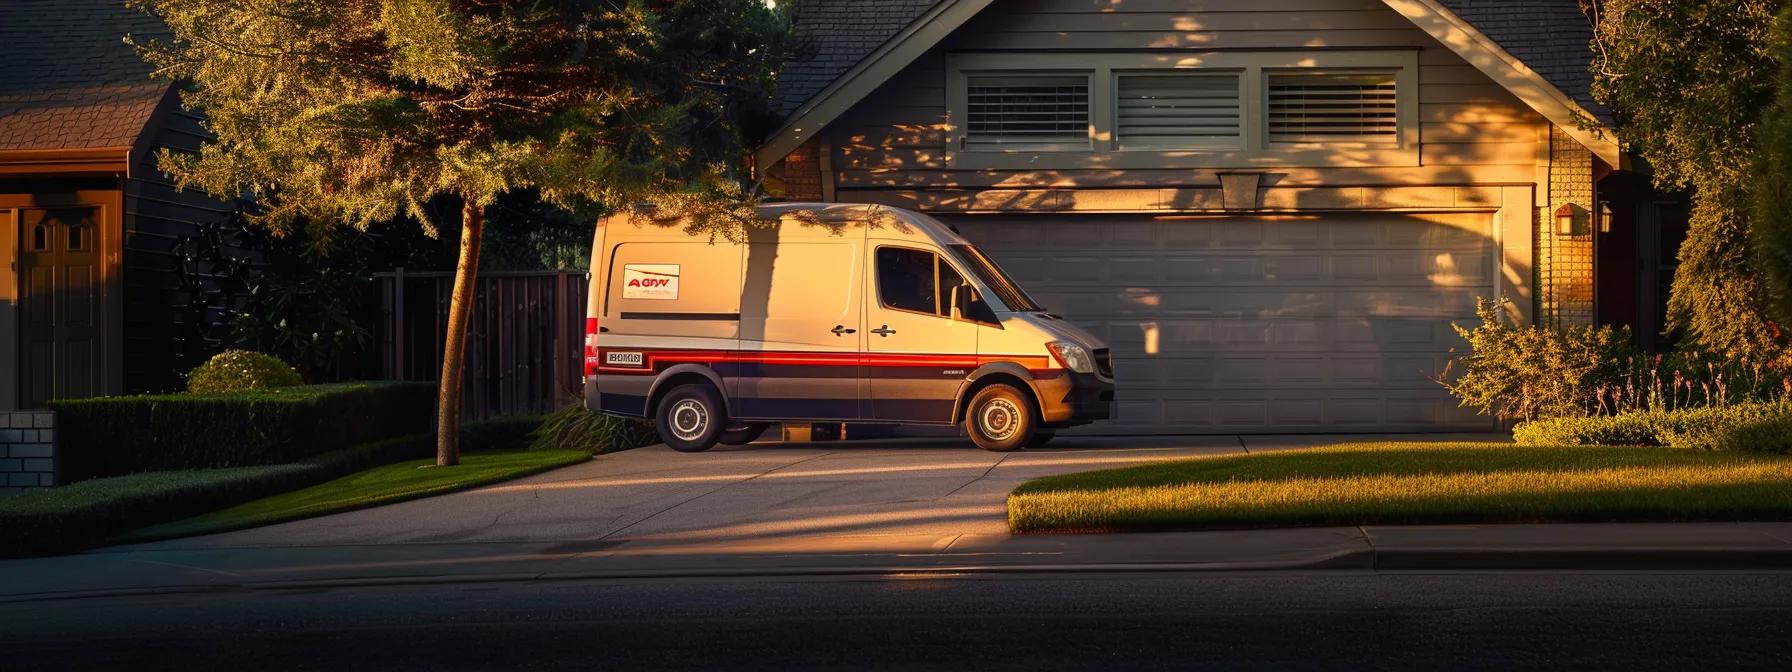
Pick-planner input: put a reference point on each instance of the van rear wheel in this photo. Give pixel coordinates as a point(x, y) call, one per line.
point(1000, 418)
point(690, 418)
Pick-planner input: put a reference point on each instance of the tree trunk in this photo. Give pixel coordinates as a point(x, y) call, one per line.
point(460, 310)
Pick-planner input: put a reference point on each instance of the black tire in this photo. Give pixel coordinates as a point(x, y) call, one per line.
point(1040, 438)
point(1000, 418)
point(690, 418)
point(744, 434)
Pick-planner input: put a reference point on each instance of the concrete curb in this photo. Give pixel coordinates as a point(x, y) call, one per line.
point(1636, 559)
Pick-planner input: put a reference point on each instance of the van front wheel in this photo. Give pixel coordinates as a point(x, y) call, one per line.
point(999, 418)
point(690, 418)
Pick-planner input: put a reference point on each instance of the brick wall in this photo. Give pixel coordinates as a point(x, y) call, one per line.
point(1565, 261)
point(27, 450)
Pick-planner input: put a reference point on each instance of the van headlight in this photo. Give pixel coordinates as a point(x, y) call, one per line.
point(1072, 356)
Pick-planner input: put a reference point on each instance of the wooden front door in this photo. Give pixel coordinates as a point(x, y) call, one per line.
point(60, 307)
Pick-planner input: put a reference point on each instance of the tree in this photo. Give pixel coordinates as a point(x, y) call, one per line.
point(359, 111)
point(1687, 81)
point(1772, 224)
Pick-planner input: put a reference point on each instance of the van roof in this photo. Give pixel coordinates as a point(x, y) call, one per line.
point(801, 221)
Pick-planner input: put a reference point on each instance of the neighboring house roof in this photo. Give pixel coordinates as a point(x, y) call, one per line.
point(1546, 41)
point(840, 33)
point(68, 80)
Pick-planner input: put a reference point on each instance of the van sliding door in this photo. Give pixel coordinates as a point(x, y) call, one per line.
point(799, 330)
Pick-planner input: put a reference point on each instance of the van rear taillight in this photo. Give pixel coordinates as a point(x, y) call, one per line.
point(590, 345)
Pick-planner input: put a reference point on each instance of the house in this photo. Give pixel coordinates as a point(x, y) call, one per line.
point(91, 287)
point(1273, 210)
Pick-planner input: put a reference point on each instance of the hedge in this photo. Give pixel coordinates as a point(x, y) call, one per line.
point(1735, 427)
point(90, 513)
point(113, 436)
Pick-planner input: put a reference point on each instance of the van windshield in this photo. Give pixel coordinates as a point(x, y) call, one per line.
point(985, 269)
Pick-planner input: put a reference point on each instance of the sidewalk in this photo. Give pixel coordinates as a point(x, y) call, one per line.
point(1621, 546)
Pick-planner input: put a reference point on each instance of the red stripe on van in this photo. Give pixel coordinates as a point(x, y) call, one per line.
point(651, 359)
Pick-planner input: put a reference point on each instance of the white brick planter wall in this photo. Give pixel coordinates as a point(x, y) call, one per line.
point(27, 450)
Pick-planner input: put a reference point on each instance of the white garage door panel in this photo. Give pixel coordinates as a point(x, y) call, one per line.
point(1333, 323)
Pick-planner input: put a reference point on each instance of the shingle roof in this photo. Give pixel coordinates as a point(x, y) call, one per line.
point(68, 80)
point(840, 33)
point(1551, 36)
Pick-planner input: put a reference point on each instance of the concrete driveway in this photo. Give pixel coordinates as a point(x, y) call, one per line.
point(885, 495)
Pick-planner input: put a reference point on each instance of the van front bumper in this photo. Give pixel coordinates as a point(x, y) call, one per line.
point(1067, 399)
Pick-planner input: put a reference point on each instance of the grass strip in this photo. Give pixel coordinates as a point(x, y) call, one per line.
point(1362, 484)
point(387, 484)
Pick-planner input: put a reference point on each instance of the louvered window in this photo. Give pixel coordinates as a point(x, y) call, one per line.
point(1027, 111)
point(1333, 107)
point(1177, 110)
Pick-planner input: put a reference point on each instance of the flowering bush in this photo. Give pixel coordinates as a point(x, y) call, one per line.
point(241, 370)
point(1526, 372)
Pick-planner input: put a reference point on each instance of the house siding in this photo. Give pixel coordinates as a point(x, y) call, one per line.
point(161, 340)
point(1475, 136)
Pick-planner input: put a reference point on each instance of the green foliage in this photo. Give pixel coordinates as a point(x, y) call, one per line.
point(1763, 435)
point(525, 233)
point(1411, 483)
point(1687, 81)
point(309, 303)
point(1703, 428)
point(110, 436)
point(1772, 221)
point(574, 428)
point(1530, 372)
point(1716, 298)
point(241, 371)
point(94, 512)
point(357, 111)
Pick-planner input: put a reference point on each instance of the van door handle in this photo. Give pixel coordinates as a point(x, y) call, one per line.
point(884, 331)
point(840, 330)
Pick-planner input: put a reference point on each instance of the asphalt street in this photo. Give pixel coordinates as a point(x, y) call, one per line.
point(1308, 620)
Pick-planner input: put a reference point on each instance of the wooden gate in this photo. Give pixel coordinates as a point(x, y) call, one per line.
point(525, 352)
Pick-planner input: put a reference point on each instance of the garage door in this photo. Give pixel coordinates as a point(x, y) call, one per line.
point(1332, 323)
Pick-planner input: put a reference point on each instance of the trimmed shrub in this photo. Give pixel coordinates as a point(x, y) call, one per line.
point(1764, 435)
point(1705, 428)
point(574, 428)
point(112, 436)
point(89, 513)
point(241, 371)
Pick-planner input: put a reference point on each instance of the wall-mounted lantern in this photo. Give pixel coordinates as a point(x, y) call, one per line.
point(1568, 219)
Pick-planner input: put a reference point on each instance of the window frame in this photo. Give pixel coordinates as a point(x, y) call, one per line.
point(1242, 140)
point(1089, 125)
point(1254, 151)
point(940, 301)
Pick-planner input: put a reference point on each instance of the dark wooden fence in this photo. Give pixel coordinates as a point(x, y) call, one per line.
point(525, 343)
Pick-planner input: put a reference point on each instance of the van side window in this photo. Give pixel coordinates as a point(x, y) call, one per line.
point(905, 280)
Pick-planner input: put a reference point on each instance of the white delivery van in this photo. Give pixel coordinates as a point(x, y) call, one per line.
point(849, 313)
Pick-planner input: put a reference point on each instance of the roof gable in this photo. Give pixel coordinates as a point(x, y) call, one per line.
point(68, 80)
point(1541, 47)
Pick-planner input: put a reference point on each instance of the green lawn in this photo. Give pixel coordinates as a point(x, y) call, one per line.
point(380, 485)
point(1359, 484)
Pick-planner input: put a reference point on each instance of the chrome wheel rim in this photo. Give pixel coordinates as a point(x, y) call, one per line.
point(1000, 419)
point(689, 419)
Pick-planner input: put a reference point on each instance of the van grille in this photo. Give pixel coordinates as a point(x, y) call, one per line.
point(1104, 362)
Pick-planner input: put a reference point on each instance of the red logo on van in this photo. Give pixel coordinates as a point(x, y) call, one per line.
point(649, 282)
